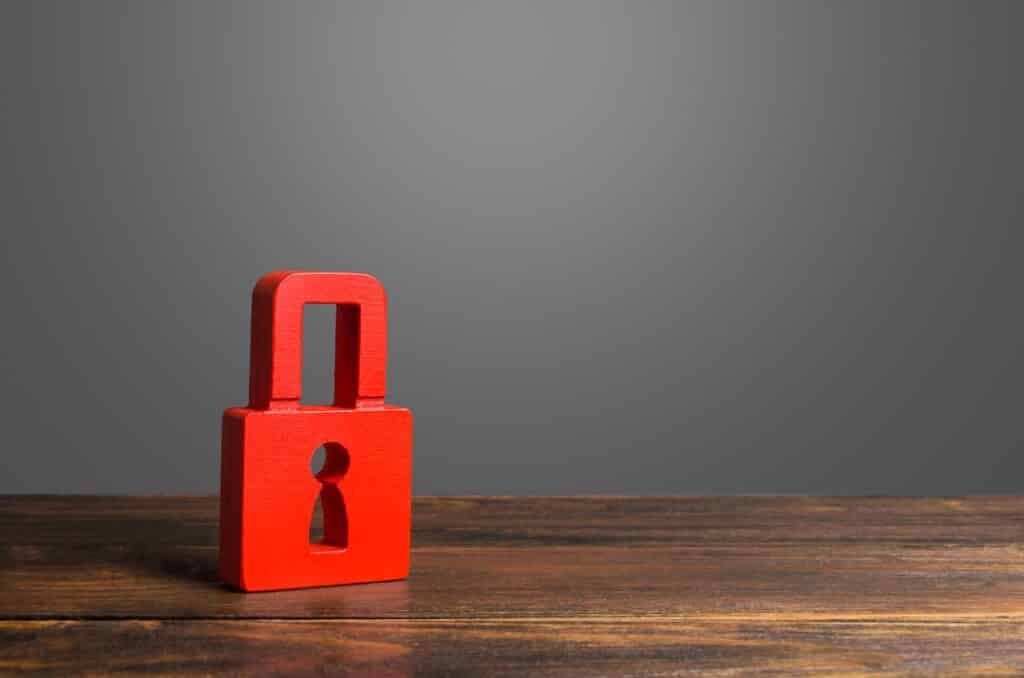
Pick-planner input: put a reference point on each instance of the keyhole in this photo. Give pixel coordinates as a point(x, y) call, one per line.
point(329, 465)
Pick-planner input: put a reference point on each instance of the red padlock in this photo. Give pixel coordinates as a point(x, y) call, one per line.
point(267, 491)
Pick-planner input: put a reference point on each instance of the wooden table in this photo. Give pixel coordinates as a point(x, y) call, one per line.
point(554, 586)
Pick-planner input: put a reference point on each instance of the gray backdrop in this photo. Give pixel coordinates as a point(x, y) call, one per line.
point(631, 247)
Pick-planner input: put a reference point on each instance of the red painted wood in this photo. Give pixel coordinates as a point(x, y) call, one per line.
point(275, 364)
point(267, 490)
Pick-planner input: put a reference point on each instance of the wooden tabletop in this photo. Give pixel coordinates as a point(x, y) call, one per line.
point(552, 586)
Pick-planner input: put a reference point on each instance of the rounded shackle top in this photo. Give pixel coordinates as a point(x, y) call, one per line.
point(360, 355)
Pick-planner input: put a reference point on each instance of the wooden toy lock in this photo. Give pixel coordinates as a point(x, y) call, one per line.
point(267, 491)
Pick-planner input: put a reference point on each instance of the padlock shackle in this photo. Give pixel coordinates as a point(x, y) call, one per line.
point(360, 353)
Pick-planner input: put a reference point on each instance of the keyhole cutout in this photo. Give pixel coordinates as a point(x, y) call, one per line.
point(329, 465)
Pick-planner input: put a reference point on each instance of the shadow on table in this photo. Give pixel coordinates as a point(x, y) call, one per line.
point(196, 568)
point(148, 556)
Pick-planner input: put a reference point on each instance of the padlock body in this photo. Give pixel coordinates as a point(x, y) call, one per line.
point(268, 494)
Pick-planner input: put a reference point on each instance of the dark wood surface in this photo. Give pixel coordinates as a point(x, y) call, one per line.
point(554, 586)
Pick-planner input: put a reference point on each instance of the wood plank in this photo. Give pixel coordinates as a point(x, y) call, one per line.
point(762, 645)
point(490, 558)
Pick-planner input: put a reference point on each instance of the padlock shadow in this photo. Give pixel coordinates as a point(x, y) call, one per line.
point(175, 555)
point(190, 564)
point(160, 548)
point(197, 567)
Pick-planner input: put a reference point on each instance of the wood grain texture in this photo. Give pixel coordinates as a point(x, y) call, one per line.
point(595, 647)
point(558, 586)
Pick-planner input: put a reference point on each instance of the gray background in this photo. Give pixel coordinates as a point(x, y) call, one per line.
point(631, 247)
